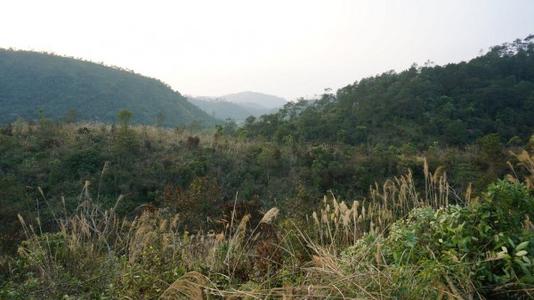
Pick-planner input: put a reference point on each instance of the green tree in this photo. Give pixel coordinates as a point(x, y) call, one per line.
point(124, 117)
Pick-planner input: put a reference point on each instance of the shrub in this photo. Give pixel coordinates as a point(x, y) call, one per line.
point(485, 246)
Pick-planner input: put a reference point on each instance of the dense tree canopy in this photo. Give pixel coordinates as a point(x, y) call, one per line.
point(67, 88)
point(453, 104)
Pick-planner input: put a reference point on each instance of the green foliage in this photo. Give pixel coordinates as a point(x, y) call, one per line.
point(486, 246)
point(491, 146)
point(143, 162)
point(453, 104)
point(483, 248)
point(124, 117)
point(71, 89)
point(52, 266)
point(182, 192)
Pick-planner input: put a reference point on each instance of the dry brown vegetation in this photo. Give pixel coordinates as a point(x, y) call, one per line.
point(343, 250)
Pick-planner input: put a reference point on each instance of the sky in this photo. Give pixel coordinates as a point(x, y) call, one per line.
point(289, 48)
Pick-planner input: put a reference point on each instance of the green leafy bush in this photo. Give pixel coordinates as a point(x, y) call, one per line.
point(486, 246)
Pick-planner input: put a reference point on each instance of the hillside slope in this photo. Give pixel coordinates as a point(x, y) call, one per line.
point(31, 82)
point(453, 104)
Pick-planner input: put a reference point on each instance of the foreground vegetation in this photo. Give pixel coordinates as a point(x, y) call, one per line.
point(404, 186)
point(401, 242)
point(198, 174)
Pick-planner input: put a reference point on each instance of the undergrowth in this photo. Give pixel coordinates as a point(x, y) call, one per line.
point(399, 243)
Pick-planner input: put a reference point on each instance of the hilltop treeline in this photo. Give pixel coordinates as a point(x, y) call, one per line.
point(453, 104)
point(64, 88)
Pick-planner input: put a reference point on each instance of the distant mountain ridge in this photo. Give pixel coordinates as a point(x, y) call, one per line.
point(261, 99)
point(239, 106)
point(33, 81)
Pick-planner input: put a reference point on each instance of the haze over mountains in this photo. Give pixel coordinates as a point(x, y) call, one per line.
point(239, 106)
point(257, 99)
point(32, 82)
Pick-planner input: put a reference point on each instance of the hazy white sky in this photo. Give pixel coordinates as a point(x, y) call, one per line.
point(289, 48)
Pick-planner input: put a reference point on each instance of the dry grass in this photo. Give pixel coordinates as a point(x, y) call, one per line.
point(340, 224)
point(526, 161)
point(189, 286)
point(241, 251)
point(262, 253)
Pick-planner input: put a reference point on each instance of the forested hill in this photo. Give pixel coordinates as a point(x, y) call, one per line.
point(62, 87)
point(453, 104)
